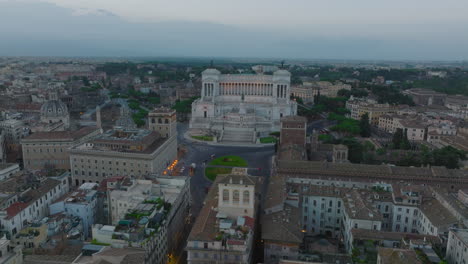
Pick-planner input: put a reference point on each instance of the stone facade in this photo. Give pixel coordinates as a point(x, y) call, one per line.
point(122, 152)
point(51, 149)
point(164, 121)
point(425, 96)
point(7, 170)
point(224, 229)
point(359, 107)
point(242, 102)
point(457, 246)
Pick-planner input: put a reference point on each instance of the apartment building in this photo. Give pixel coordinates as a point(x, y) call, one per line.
point(360, 106)
point(80, 203)
point(353, 209)
point(33, 204)
point(224, 229)
point(148, 214)
point(457, 246)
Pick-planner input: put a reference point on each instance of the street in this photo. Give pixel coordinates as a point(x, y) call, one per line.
point(256, 157)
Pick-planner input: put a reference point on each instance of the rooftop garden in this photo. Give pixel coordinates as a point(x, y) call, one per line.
point(364, 251)
point(136, 215)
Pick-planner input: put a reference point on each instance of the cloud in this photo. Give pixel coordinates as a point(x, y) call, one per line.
point(49, 30)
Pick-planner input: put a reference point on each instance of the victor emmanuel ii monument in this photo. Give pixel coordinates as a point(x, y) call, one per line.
point(241, 107)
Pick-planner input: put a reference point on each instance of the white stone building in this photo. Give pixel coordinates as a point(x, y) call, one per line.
point(7, 170)
point(33, 204)
point(457, 246)
point(141, 217)
point(14, 130)
point(10, 254)
point(245, 103)
point(224, 229)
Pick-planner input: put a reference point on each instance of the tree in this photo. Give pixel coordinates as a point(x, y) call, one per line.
point(364, 125)
point(317, 97)
point(448, 157)
point(355, 150)
point(397, 138)
point(347, 127)
point(405, 144)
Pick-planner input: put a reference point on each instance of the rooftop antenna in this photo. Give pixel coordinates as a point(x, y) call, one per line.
point(282, 64)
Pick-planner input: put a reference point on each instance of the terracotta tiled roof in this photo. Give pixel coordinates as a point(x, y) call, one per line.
point(15, 208)
point(283, 226)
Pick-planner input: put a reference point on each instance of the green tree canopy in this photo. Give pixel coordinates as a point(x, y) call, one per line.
point(364, 125)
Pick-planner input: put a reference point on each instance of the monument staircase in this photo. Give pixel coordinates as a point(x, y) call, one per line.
point(233, 136)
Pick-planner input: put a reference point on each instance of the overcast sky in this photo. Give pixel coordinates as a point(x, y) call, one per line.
point(335, 29)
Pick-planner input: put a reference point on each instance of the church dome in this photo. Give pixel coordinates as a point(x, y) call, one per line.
point(54, 108)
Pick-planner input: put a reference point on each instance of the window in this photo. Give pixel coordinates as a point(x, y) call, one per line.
point(246, 197)
point(235, 197)
point(225, 195)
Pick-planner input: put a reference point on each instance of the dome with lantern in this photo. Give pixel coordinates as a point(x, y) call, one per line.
point(55, 111)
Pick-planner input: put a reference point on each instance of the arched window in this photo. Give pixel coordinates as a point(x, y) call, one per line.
point(153, 121)
point(160, 121)
point(246, 197)
point(225, 195)
point(235, 197)
point(166, 121)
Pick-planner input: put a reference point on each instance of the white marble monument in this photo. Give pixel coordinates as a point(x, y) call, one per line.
point(242, 102)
